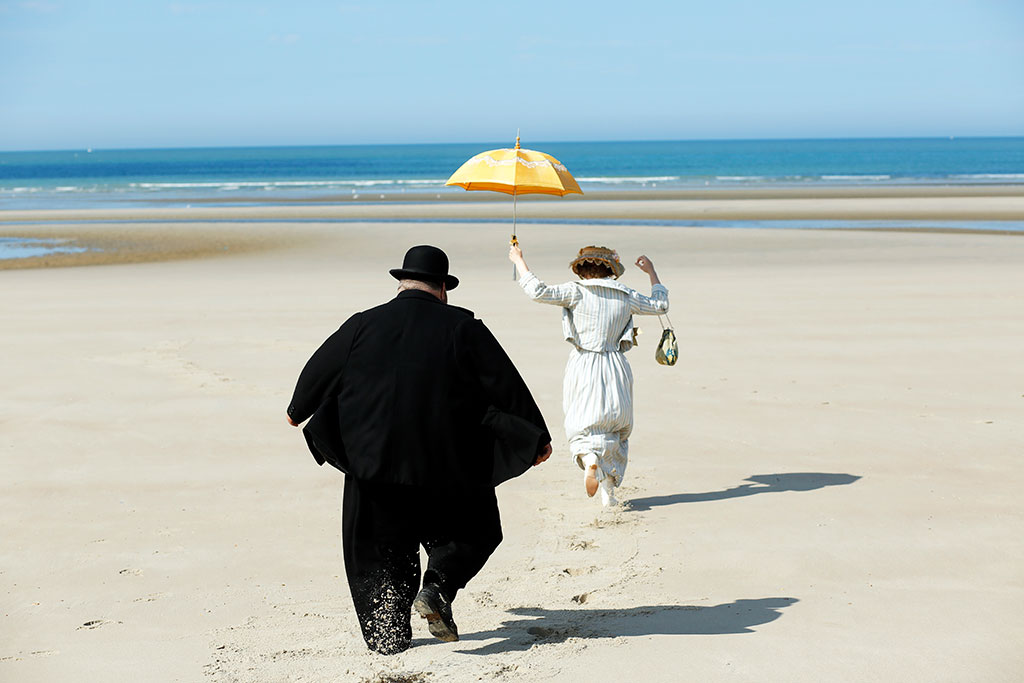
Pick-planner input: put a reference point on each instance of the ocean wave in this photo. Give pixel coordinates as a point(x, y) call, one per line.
point(989, 176)
point(865, 176)
point(87, 191)
point(63, 189)
point(240, 184)
point(618, 180)
point(143, 188)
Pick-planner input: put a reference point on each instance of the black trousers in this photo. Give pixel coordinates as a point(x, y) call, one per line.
point(382, 528)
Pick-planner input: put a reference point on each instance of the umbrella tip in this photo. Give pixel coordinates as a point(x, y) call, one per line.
point(517, 138)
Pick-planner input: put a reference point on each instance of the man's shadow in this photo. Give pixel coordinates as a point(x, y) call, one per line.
point(763, 483)
point(537, 625)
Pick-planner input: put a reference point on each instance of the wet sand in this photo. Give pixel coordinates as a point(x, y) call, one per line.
point(131, 235)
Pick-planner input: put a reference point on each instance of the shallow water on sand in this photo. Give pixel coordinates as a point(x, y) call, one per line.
point(25, 247)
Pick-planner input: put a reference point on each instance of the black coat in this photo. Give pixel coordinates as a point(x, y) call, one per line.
point(418, 392)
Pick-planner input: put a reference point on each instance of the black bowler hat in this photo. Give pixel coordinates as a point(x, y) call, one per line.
point(428, 264)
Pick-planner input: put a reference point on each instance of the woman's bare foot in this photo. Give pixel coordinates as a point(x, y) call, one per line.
point(590, 481)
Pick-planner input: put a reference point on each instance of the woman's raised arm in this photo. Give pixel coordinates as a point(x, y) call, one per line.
point(657, 302)
point(566, 295)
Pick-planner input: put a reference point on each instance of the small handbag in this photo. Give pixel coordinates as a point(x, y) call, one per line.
point(668, 351)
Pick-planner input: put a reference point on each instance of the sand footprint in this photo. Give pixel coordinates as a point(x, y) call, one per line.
point(96, 623)
point(168, 357)
point(579, 571)
point(581, 544)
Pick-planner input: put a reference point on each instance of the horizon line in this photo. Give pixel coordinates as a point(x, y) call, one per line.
point(492, 142)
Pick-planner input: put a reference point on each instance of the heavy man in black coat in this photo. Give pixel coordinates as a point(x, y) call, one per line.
point(425, 413)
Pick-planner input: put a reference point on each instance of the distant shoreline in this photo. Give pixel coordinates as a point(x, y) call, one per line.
point(903, 202)
point(132, 235)
point(453, 196)
point(714, 192)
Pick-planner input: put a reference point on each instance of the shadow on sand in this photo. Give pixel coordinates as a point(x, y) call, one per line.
point(537, 625)
point(763, 483)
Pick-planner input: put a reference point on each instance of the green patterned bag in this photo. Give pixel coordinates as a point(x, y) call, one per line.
point(668, 351)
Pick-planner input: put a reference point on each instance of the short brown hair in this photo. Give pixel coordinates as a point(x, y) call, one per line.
point(589, 271)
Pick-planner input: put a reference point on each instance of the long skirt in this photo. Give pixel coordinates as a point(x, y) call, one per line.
point(597, 397)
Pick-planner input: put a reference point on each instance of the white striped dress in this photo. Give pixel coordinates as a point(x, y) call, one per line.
point(597, 391)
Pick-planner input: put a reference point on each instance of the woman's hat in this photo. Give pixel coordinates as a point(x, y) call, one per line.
point(428, 264)
point(598, 255)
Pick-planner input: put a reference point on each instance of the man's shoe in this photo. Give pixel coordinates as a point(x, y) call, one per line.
point(435, 608)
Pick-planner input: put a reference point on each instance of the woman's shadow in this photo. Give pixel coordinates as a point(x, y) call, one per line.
point(536, 625)
point(763, 483)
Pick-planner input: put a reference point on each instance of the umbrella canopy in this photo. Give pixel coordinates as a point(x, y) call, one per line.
point(515, 171)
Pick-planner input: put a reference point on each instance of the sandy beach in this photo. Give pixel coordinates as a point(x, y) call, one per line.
point(824, 488)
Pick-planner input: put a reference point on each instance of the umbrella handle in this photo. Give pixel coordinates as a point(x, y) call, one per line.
point(514, 242)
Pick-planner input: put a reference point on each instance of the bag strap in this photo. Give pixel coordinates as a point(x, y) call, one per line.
point(666, 318)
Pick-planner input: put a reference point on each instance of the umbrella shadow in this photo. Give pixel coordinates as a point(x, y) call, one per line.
point(763, 483)
point(535, 625)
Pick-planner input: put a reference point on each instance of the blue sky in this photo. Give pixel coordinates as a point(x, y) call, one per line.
point(76, 74)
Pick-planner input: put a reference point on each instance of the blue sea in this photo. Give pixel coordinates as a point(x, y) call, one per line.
point(99, 178)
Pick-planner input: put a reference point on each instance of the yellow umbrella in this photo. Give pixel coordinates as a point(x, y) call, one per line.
point(515, 171)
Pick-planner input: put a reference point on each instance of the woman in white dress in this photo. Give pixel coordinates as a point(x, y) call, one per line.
point(597, 391)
